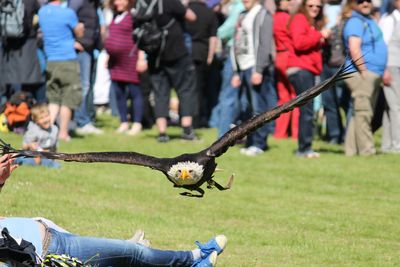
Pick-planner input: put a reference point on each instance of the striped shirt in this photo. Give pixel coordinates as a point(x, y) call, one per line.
point(122, 50)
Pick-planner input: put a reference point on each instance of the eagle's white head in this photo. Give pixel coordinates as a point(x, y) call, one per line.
point(186, 173)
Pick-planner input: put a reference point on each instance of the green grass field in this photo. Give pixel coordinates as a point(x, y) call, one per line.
point(281, 211)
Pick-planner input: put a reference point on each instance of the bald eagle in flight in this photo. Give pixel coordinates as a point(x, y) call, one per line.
point(190, 171)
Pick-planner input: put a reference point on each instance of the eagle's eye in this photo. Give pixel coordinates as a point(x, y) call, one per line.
point(179, 171)
point(190, 171)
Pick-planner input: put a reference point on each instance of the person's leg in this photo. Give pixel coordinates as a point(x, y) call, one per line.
point(183, 77)
point(228, 100)
point(54, 110)
point(283, 90)
point(331, 109)
point(71, 95)
point(263, 98)
point(137, 102)
point(112, 252)
point(301, 81)
point(65, 118)
point(25, 161)
point(54, 90)
point(162, 89)
point(137, 108)
point(103, 252)
point(392, 94)
point(81, 115)
point(119, 90)
point(364, 105)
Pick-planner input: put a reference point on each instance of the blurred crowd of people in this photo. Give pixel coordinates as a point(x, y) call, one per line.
point(227, 60)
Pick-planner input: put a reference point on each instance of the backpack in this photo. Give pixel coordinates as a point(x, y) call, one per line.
point(20, 253)
point(335, 53)
point(17, 111)
point(147, 34)
point(12, 19)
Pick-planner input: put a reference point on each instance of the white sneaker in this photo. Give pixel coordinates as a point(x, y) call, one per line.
point(123, 127)
point(251, 151)
point(88, 129)
point(135, 129)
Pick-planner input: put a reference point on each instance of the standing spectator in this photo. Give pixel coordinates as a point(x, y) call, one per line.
point(175, 69)
point(252, 57)
point(390, 25)
point(124, 65)
point(86, 11)
point(227, 109)
point(203, 32)
point(368, 50)
point(338, 96)
point(287, 122)
point(19, 64)
point(305, 62)
point(59, 25)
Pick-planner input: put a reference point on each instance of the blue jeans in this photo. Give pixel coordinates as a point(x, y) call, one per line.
point(102, 252)
point(43, 162)
point(332, 100)
point(260, 99)
point(301, 81)
point(81, 115)
point(227, 110)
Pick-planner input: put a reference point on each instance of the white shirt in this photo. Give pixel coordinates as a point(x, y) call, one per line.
point(387, 23)
point(244, 46)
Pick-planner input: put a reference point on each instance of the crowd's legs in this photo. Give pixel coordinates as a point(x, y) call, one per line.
point(301, 81)
point(364, 91)
point(290, 120)
point(332, 100)
point(391, 117)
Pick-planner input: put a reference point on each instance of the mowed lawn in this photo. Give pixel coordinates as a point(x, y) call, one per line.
point(281, 211)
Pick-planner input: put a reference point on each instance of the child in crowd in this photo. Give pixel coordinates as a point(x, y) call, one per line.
point(40, 136)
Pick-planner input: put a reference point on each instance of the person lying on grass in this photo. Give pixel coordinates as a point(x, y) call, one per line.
point(49, 238)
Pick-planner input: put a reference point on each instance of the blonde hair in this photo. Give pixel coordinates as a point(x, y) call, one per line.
point(38, 110)
point(348, 8)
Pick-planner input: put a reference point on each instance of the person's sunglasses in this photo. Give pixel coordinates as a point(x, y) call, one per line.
point(362, 1)
point(316, 6)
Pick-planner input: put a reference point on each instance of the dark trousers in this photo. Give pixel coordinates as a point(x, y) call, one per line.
point(332, 100)
point(301, 81)
point(121, 89)
point(180, 75)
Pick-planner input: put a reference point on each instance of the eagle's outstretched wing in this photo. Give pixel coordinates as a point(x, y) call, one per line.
point(229, 139)
point(112, 157)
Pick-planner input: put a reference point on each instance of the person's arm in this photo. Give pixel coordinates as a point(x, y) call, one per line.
point(356, 53)
point(227, 29)
point(190, 15)
point(6, 168)
point(212, 45)
point(212, 40)
point(79, 30)
point(141, 64)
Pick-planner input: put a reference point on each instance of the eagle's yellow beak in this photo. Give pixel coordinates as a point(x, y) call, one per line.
point(184, 174)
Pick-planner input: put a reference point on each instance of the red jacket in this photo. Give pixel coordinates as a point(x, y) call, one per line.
point(306, 42)
point(281, 34)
